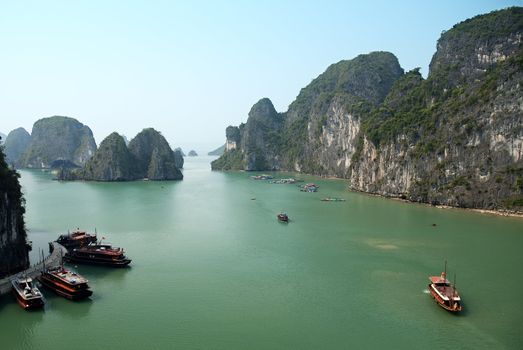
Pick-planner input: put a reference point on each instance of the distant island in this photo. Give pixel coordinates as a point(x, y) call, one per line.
point(217, 152)
point(455, 138)
point(192, 153)
point(68, 146)
point(148, 156)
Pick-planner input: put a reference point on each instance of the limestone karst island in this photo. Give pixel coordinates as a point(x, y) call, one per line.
point(353, 175)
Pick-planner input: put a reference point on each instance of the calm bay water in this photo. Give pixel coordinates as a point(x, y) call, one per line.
point(213, 269)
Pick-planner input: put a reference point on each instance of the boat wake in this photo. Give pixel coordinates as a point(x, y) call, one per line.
point(426, 291)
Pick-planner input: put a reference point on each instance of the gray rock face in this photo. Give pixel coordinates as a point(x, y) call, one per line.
point(58, 138)
point(112, 162)
point(293, 140)
point(148, 156)
point(14, 251)
point(455, 138)
point(155, 158)
point(178, 158)
point(16, 144)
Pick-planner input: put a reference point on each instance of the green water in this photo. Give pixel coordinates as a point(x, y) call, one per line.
point(213, 269)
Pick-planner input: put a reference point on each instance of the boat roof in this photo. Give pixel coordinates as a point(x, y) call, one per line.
point(68, 276)
point(438, 279)
point(24, 280)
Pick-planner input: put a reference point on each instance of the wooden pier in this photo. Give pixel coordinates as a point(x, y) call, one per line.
point(54, 259)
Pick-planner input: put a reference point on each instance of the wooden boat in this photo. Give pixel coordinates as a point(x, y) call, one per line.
point(76, 239)
point(445, 293)
point(98, 254)
point(261, 177)
point(65, 283)
point(331, 199)
point(283, 217)
point(311, 187)
point(27, 295)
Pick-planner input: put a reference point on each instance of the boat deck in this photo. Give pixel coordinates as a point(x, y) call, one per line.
point(68, 276)
point(447, 292)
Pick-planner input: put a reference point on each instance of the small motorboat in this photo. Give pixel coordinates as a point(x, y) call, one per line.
point(27, 295)
point(283, 217)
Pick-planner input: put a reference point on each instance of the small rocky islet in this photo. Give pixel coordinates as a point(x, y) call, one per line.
point(148, 155)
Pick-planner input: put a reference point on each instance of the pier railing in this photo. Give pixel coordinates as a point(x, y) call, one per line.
point(52, 260)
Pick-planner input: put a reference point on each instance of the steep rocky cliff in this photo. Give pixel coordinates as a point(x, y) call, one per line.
point(61, 138)
point(455, 138)
point(147, 156)
point(16, 144)
point(313, 136)
point(178, 158)
point(112, 161)
point(14, 251)
point(155, 158)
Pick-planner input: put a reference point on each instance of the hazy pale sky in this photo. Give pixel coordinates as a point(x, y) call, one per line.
point(191, 68)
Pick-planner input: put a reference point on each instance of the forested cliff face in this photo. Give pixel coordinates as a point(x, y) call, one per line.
point(58, 138)
point(455, 138)
point(14, 251)
point(148, 155)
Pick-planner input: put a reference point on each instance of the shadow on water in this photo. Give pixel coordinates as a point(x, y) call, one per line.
point(73, 310)
point(98, 273)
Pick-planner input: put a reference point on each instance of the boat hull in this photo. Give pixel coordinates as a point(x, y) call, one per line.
point(100, 262)
point(28, 304)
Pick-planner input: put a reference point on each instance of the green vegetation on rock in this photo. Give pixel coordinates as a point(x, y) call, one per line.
point(14, 251)
point(58, 138)
point(148, 156)
point(448, 139)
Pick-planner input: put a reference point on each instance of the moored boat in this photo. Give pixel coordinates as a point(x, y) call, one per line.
point(331, 199)
point(27, 295)
point(65, 283)
point(76, 239)
point(98, 254)
point(283, 217)
point(310, 187)
point(445, 293)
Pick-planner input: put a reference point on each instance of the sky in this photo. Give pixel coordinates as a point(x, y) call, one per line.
point(191, 68)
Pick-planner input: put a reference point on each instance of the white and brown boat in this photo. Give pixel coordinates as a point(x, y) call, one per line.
point(65, 283)
point(98, 254)
point(27, 295)
point(445, 293)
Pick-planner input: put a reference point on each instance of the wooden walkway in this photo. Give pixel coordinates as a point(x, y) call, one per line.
point(54, 259)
